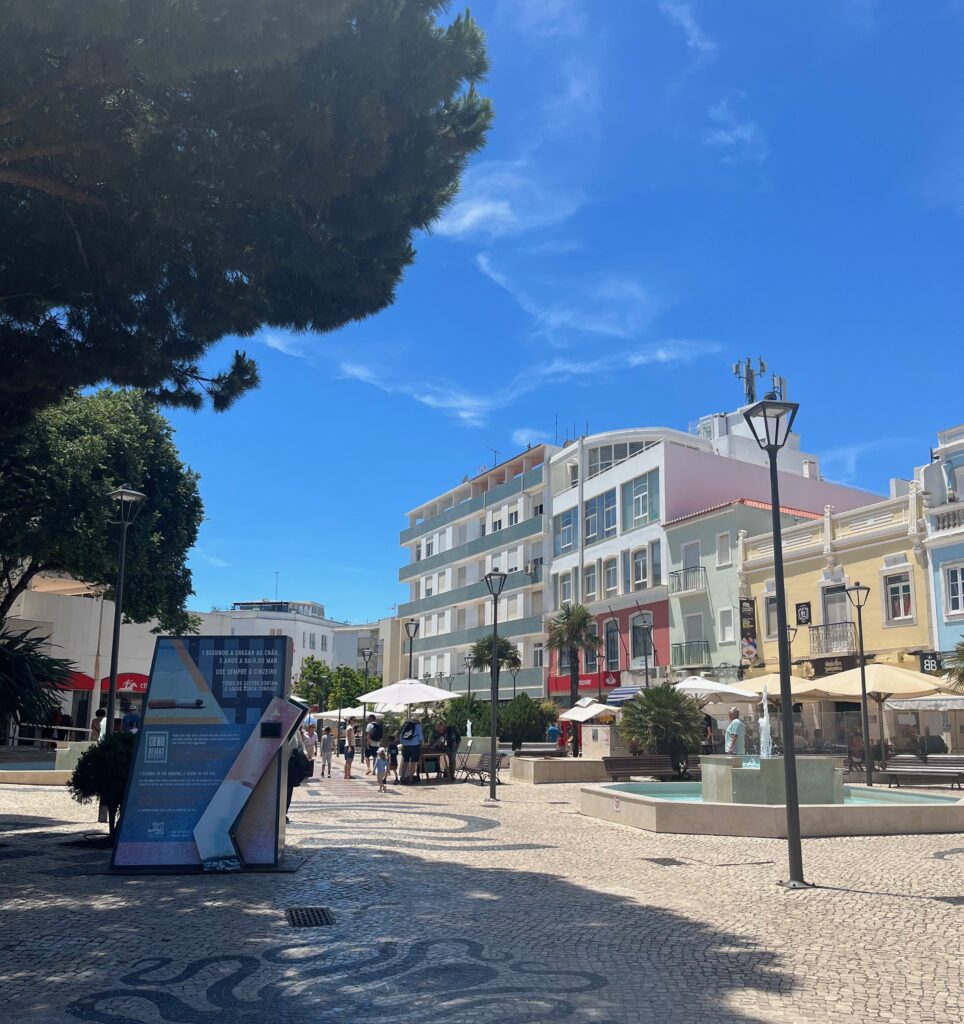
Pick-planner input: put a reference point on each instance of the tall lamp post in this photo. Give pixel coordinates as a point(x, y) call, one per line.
point(411, 628)
point(495, 581)
point(771, 422)
point(468, 666)
point(367, 654)
point(858, 598)
point(129, 504)
point(515, 676)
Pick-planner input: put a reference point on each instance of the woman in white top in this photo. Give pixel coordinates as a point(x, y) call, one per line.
point(349, 746)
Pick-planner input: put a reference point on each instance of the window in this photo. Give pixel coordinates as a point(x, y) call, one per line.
point(640, 575)
point(591, 659)
point(537, 509)
point(601, 517)
point(770, 615)
point(655, 564)
point(565, 587)
point(726, 634)
point(565, 533)
point(610, 577)
point(311, 641)
point(592, 522)
point(612, 645)
point(899, 603)
point(954, 589)
point(538, 655)
point(513, 560)
point(641, 500)
point(324, 642)
point(641, 638)
point(481, 527)
point(513, 518)
point(418, 552)
point(496, 525)
point(609, 513)
point(429, 586)
point(276, 632)
point(572, 469)
point(723, 554)
point(590, 587)
point(564, 662)
point(429, 546)
point(302, 638)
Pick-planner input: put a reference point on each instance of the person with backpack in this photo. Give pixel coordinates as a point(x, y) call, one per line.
point(411, 737)
point(373, 740)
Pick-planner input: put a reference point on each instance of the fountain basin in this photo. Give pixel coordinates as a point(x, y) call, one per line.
point(740, 779)
point(679, 807)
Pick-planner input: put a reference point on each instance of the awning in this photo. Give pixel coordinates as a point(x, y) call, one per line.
point(127, 682)
point(587, 713)
point(927, 704)
point(622, 694)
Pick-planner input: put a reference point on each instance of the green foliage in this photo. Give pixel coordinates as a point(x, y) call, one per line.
point(481, 654)
point(657, 716)
point(314, 683)
point(955, 670)
point(549, 710)
point(573, 630)
point(347, 685)
point(101, 773)
point(460, 710)
point(175, 173)
point(55, 512)
point(29, 677)
point(522, 720)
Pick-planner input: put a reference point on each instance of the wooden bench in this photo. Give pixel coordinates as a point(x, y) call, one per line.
point(658, 766)
point(937, 768)
point(483, 769)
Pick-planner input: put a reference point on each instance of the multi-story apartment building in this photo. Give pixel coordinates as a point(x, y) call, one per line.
point(704, 591)
point(496, 520)
point(942, 483)
point(350, 643)
point(610, 496)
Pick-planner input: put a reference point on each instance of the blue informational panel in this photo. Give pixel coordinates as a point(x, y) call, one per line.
point(210, 766)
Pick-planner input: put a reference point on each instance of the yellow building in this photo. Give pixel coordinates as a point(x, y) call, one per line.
point(880, 546)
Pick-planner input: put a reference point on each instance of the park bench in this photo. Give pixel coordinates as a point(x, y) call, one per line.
point(482, 769)
point(937, 768)
point(656, 766)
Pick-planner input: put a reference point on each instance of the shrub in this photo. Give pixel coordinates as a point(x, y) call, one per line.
point(29, 677)
point(102, 771)
point(660, 716)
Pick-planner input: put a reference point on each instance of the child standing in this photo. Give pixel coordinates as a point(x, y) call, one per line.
point(327, 748)
point(393, 754)
point(381, 769)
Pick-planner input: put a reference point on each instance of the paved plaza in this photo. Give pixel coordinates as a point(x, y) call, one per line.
point(447, 910)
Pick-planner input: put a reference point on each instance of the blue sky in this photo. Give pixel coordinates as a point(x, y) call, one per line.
point(668, 187)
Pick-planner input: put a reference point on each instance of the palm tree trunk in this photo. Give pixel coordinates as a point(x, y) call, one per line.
point(574, 695)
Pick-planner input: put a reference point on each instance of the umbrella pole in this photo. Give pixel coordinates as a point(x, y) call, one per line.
point(883, 733)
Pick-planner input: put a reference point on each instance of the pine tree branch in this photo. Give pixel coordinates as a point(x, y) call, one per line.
point(50, 186)
point(14, 590)
point(31, 151)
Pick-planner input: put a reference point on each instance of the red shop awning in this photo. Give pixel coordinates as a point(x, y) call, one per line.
point(127, 682)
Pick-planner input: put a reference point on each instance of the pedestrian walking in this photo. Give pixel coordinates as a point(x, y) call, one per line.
point(411, 737)
point(310, 740)
point(97, 725)
point(349, 746)
point(326, 747)
point(381, 768)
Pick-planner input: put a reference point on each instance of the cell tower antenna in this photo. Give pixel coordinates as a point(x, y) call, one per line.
point(744, 371)
point(495, 452)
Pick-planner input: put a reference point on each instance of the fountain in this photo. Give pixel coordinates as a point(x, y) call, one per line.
point(766, 740)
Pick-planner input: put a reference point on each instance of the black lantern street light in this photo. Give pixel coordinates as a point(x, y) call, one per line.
point(129, 504)
point(515, 676)
point(858, 598)
point(771, 422)
point(468, 666)
point(411, 628)
point(367, 654)
point(495, 581)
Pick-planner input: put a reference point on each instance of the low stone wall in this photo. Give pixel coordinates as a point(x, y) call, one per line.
point(44, 777)
point(540, 771)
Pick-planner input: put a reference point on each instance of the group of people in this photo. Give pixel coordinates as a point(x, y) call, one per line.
point(382, 754)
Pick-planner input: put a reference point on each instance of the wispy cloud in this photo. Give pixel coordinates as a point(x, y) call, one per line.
point(841, 464)
point(283, 342)
point(471, 410)
point(578, 99)
point(740, 139)
point(209, 559)
point(681, 14)
point(613, 308)
point(506, 197)
point(528, 435)
point(545, 17)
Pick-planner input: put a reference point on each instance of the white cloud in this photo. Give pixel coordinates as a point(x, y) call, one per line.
point(545, 17)
point(612, 308)
point(841, 464)
point(212, 560)
point(528, 435)
point(282, 342)
point(505, 197)
point(740, 139)
point(682, 15)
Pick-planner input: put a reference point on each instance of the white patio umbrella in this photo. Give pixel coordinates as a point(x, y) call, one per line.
point(800, 688)
point(709, 691)
point(407, 691)
point(340, 713)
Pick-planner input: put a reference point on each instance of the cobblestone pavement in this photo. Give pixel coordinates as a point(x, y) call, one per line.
point(448, 910)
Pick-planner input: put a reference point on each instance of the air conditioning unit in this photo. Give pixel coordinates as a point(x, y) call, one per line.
point(530, 568)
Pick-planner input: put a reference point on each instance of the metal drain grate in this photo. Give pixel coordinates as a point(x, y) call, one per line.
point(309, 917)
point(665, 862)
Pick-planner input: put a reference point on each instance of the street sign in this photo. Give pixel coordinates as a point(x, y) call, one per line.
point(804, 617)
point(931, 662)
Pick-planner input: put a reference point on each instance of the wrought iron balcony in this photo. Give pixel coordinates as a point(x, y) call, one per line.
point(687, 581)
point(835, 638)
point(691, 654)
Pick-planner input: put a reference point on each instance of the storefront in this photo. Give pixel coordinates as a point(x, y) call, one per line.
point(79, 702)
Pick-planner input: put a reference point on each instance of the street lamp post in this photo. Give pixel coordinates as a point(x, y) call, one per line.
point(495, 581)
point(771, 422)
point(411, 628)
point(129, 504)
point(858, 598)
point(647, 643)
point(367, 654)
point(468, 666)
point(515, 676)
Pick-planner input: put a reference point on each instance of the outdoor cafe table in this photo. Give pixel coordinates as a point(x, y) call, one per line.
point(441, 757)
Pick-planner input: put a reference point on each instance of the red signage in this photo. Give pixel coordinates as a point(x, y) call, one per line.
point(127, 682)
point(587, 681)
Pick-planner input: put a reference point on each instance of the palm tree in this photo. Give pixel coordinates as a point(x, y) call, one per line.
point(480, 654)
point(573, 630)
point(656, 718)
point(955, 670)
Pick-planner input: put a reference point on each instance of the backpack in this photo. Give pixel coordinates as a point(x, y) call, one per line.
point(376, 733)
point(452, 737)
point(408, 731)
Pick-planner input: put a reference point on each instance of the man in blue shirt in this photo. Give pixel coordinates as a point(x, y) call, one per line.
point(552, 733)
point(411, 737)
point(735, 740)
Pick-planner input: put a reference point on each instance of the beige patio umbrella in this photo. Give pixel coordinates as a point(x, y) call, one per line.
point(800, 688)
point(883, 683)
